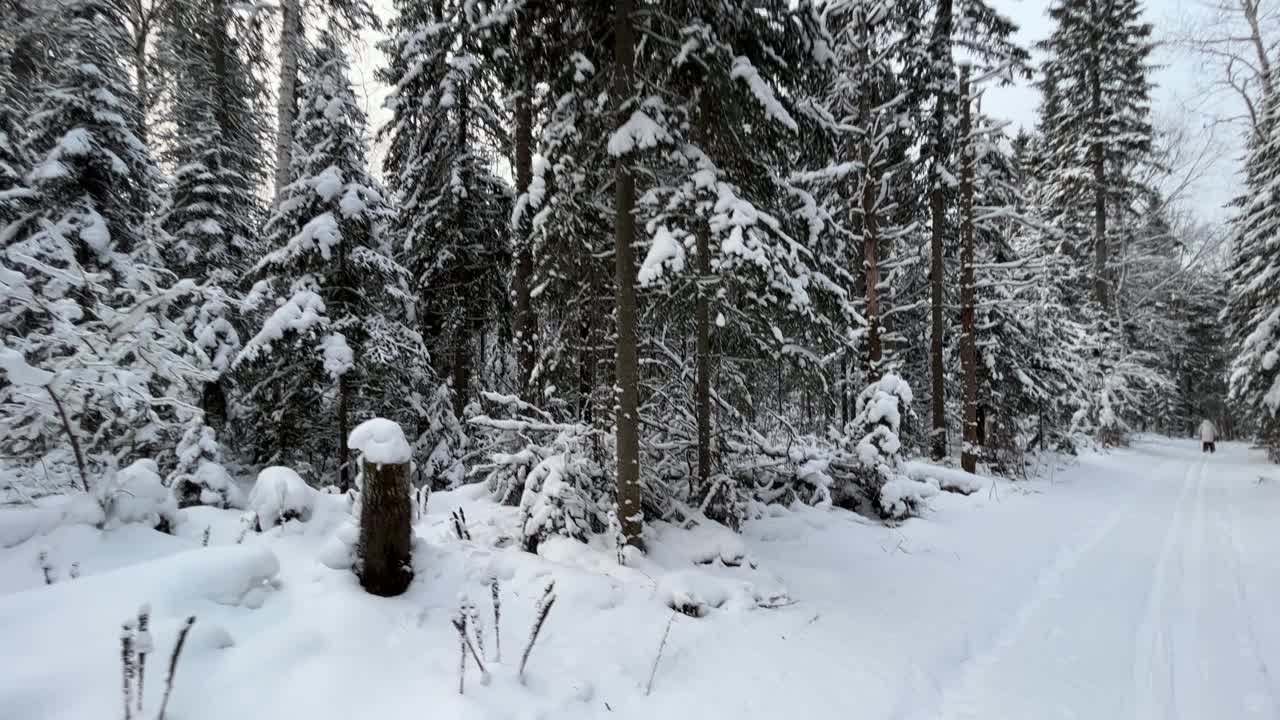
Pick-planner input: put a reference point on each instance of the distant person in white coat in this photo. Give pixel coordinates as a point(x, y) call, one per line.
point(1209, 436)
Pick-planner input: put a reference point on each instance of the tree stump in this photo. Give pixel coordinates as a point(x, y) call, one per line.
point(383, 557)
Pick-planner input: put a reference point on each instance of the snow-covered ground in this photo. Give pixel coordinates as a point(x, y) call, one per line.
point(1137, 584)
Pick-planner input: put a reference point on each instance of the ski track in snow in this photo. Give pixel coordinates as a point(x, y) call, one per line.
point(963, 699)
point(1156, 681)
point(1156, 591)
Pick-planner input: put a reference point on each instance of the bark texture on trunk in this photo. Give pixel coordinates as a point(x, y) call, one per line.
point(870, 196)
point(941, 55)
point(628, 420)
point(141, 76)
point(384, 564)
point(287, 102)
point(464, 324)
point(702, 313)
point(522, 284)
point(968, 343)
point(1097, 159)
point(344, 452)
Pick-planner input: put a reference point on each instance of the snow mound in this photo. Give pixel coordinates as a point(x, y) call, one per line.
point(697, 594)
point(381, 442)
point(279, 495)
point(137, 494)
point(903, 496)
point(18, 525)
point(948, 479)
point(212, 485)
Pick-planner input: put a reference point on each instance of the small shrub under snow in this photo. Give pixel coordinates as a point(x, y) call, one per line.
point(875, 464)
point(136, 494)
point(200, 478)
point(280, 495)
point(562, 491)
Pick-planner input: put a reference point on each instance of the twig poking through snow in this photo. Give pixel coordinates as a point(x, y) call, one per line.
point(477, 626)
point(173, 664)
point(459, 520)
point(544, 607)
point(142, 645)
point(497, 619)
point(460, 623)
point(46, 567)
point(653, 671)
point(208, 529)
point(126, 667)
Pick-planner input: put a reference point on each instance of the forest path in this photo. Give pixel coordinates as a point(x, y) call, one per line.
point(1151, 612)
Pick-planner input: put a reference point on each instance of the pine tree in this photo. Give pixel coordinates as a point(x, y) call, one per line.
point(453, 210)
point(975, 27)
point(334, 344)
point(1252, 313)
point(15, 161)
point(215, 138)
point(1095, 122)
point(84, 296)
point(873, 194)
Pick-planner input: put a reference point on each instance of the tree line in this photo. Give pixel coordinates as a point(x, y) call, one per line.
point(623, 260)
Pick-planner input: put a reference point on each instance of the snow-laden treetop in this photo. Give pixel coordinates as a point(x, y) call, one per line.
point(381, 442)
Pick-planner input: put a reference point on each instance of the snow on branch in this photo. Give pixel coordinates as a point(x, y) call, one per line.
point(744, 70)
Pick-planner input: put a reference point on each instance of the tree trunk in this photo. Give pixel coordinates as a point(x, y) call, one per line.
point(142, 29)
point(704, 287)
point(968, 343)
point(344, 452)
point(461, 356)
point(628, 420)
point(461, 370)
point(702, 313)
point(384, 563)
point(870, 196)
point(941, 57)
point(1097, 159)
point(287, 103)
point(526, 327)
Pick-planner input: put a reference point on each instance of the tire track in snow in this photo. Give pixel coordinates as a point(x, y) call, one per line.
point(962, 698)
point(1153, 665)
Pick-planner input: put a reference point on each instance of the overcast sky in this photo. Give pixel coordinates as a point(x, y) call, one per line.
point(1181, 100)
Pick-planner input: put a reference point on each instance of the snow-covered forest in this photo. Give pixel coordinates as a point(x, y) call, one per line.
point(624, 277)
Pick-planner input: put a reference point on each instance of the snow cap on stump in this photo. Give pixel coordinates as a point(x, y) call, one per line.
point(383, 561)
point(380, 442)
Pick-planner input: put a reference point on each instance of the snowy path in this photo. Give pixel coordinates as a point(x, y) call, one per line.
point(1148, 615)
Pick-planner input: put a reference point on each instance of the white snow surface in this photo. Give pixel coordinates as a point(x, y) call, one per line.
point(381, 442)
point(278, 493)
point(1137, 584)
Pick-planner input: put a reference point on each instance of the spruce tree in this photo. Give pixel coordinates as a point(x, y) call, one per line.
point(454, 211)
point(1252, 314)
point(1095, 123)
point(334, 345)
point(215, 139)
point(85, 297)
